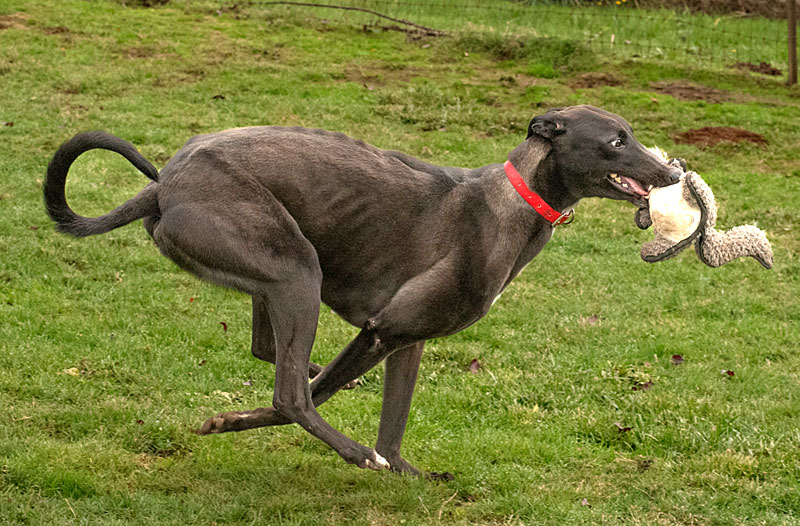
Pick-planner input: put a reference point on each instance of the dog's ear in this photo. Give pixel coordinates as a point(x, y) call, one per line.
point(547, 126)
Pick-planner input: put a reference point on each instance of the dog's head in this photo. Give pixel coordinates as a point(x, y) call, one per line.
point(596, 154)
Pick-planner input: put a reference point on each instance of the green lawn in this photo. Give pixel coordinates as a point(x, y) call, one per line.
point(110, 355)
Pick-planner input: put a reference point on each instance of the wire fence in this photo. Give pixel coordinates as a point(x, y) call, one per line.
point(616, 27)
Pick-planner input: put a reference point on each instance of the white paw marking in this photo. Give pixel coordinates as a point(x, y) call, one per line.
point(378, 463)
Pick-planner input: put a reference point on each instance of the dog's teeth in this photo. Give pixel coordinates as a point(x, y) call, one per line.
point(624, 185)
point(649, 188)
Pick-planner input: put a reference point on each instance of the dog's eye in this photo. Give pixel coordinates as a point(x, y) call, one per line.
point(617, 143)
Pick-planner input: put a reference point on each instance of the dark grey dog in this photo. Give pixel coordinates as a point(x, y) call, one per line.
point(403, 249)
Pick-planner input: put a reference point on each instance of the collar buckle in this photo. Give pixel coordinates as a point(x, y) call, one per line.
point(542, 208)
point(565, 218)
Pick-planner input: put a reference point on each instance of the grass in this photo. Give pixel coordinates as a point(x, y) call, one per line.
point(111, 355)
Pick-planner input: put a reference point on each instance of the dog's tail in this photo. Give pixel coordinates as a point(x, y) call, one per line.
point(143, 204)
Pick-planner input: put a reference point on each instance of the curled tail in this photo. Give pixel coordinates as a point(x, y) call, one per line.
point(145, 203)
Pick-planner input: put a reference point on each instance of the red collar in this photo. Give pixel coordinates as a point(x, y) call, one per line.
point(546, 211)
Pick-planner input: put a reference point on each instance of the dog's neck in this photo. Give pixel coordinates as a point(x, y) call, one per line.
point(533, 161)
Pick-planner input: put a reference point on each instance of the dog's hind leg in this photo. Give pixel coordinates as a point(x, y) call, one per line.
point(263, 345)
point(359, 356)
point(261, 251)
point(292, 396)
point(400, 376)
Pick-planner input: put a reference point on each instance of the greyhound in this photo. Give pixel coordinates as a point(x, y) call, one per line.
point(400, 248)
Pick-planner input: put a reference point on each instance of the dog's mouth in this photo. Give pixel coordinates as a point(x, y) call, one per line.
point(634, 190)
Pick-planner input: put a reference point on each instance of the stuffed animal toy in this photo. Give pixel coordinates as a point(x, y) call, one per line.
point(686, 213)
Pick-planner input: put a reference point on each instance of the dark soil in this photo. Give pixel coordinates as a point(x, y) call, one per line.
point(765, 8)
point(14, 21)
point(687, 91)
point(763, 68)
point(709, 136)
point(143, 3)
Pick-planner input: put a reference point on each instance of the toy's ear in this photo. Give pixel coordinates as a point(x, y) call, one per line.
point(642, 218)
point(548, 126)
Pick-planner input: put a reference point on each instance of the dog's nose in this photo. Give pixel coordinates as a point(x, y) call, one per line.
point(675, 175)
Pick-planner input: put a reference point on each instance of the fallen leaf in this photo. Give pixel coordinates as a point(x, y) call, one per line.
point(9, 124)
point(191, 300)
point(621, 428)
point(643, 386)
point(728, 373)
point(224, 326)
point(677, 359)
point(474, 365)
point(140, 422)
point(218, 97)
point(247, 382)
point(73, 371)
point(585, 502)
point(34, 227)
point(594, 319)
point(202, 362)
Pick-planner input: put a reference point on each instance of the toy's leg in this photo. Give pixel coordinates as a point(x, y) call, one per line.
point(717, 248)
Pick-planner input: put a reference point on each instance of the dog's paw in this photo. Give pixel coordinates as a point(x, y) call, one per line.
point(352, 384)
point(242, 420)
point(215, 424)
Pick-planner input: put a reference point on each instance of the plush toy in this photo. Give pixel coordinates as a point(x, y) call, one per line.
point(685, 213)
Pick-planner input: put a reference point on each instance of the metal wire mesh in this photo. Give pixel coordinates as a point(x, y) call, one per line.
point(616, 27)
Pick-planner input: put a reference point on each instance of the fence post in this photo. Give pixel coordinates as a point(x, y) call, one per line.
point(791, 5)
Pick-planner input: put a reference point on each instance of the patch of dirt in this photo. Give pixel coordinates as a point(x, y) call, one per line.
point(766, 8)
point(188, 76)
point(57, 30)
point(595, 80)
point(134, 53)
point(143, 3)
point(13, 21)
point(764, 68)
point(62, 32)
point(709, 136)
point(377, 76)
point(688, 91)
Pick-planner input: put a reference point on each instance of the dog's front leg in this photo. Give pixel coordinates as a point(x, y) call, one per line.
point(399, 380)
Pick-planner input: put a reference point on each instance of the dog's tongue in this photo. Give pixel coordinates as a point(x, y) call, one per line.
point(634, 185)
